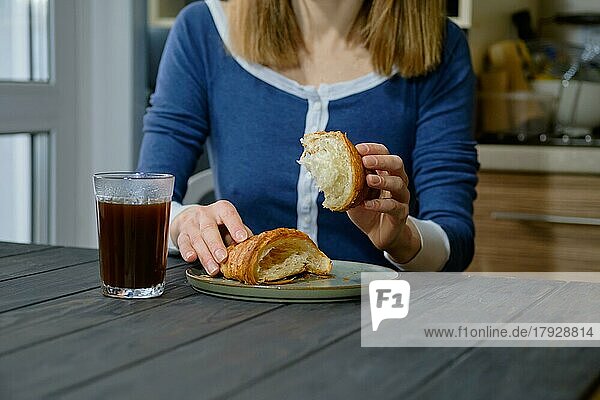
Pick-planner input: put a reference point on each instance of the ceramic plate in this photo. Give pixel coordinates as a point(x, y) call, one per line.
point(342, 285)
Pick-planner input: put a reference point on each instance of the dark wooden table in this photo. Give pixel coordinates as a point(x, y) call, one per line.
point(60, 338)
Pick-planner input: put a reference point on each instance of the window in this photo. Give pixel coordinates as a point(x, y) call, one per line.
point(24, 152)
point(24, 41)
point(67, 88)
point(15, 202)
point(24, 204)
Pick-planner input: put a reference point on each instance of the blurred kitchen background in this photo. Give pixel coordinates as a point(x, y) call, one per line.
point(76, 75)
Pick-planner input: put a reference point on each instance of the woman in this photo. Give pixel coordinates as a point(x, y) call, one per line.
point(247, 79)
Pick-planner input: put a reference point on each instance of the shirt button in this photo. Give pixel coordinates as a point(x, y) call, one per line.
point(317, 106)
point(306, 219)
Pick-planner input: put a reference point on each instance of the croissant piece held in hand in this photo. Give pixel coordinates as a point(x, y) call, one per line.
point(337, 168)
point(274, 255)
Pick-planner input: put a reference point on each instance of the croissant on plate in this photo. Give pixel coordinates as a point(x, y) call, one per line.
point(273, 256)
point(335, 164)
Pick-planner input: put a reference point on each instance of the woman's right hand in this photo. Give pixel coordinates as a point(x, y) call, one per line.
point(201, 233)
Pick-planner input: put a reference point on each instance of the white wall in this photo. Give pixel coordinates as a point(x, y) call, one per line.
point(106, 101)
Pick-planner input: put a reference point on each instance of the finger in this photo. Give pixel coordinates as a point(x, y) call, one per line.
point(376, 149)
point(371, 148)
point(206, 258)
point(228, 216)
point(394, 184)
point(391, 163)
point(185, 247)
point(211, 236)
point(388, 206)
point(227, 236)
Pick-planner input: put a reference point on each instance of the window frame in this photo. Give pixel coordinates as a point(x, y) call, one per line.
point(50, 107)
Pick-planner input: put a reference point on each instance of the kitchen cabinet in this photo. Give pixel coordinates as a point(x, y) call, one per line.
point(534, 222)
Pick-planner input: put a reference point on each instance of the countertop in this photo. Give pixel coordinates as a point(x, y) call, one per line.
point(545, 159)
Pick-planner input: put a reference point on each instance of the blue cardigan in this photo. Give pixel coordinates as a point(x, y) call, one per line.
point(250, 119)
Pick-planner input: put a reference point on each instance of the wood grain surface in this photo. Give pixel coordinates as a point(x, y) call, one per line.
point(54, 284)
point(561, 375)
point(51, 319)
point(11, 249)
point(124, 342)
point(60, 338)
point(43, 260)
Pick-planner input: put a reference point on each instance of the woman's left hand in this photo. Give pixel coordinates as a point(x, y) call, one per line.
point(383, 219)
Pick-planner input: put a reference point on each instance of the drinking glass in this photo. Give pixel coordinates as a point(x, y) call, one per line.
point(132, 211)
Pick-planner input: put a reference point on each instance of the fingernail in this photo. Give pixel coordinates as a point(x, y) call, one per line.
point(369, 204)
point(212, 267)
point(370, 161)
point(375, 179)
point(220, 255)
point(189, 255)
point(241, 235)
point(362, 148)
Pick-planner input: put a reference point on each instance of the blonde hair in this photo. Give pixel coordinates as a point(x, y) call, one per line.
point(402, 34)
